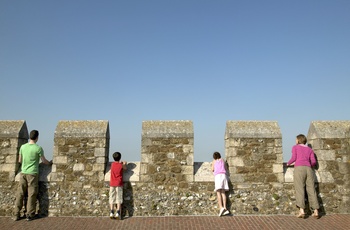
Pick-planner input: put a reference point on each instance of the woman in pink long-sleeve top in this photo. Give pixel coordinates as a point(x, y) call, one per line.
point(304, 159)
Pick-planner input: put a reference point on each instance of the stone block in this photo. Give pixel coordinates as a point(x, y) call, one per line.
point(279, 158)
point(189, 178)
point(53, 168)
point(60, 159)
point(252, 129)
point(237, 178)
point(13, 143)
point(87, 174)
point(278, 142)
point(189, 159)
point(98, 167)
point(167, 129)
point(328, 129)
point(280, 177)
point(101, 160)
point(171, 155)
point(12, 176)
point(8, 167)
point(289, 175)
point(187, 149)
point(58, 176)
point(11, 159)
point(79, 167)
point(325, 155)
point(277, 168)
point(187, 170)
point(77, 184)
point(316, 144)
point(278, 150)
point(231, 152)
point(344, 168)
point(146, 142)
point(101, 176)
point(244, 186)
point(72, 150)
point(145, 178)
point(325, 177)
point(10, 151)
point(146, 157)
point(322, 165)
point(237, 161)
point(100, 152)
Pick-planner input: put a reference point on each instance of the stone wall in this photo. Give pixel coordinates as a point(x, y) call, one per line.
point(167, 181)
point(79, 163)
point(331, 143)
point(254, 156)
point(12, 135)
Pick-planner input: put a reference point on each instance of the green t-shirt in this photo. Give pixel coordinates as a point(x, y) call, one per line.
point(30, 154)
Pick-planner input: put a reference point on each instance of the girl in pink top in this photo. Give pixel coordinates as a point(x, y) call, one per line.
point(304, 158)
point(221, 184)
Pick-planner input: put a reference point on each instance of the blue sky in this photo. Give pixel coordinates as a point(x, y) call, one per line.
point(204, 61)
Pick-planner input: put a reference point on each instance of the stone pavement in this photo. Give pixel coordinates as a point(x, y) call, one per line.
point(333, 222)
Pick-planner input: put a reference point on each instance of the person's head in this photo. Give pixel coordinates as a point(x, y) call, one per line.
point(216, 155)
point(117, 156)
point(34, 134)
point(301, 139)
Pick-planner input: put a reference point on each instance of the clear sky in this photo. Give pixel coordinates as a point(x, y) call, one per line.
point(205, 61)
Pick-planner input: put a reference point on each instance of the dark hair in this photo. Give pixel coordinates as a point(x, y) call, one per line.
point(117, 156)
point(34, 134)
point(216, 155)
point(301, 139)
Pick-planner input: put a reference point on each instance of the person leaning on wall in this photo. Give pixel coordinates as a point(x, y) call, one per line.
point(304, 159)
point(29, 156)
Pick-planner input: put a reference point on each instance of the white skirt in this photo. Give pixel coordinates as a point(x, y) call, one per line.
point(221, 182)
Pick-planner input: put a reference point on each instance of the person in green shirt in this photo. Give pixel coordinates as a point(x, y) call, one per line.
point(29, 156)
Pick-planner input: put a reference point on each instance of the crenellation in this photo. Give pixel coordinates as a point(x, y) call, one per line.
point(167, 181)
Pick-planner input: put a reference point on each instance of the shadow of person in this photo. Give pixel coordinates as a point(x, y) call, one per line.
point(230, 186)
point(128, 202)
point(317, 187)
point(43, 194)
point(129, 171)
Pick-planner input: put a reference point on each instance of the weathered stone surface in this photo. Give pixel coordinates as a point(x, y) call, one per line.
point(13, 129)
point(99, 129)
point(252, 129)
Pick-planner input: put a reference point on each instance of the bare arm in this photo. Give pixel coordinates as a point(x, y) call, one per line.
point(124, 165)
point(20, 159)
point(212, 166)
point(45, 161)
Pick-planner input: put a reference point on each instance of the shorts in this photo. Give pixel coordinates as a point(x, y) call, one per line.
point(116, 195)
point(221, 182)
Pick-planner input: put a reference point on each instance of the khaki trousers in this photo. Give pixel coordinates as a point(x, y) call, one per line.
point(304, 176)
point(27, 183)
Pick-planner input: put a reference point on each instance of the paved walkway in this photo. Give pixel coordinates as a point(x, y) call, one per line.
point(333, 222)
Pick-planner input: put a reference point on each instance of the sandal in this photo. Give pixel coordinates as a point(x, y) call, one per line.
point(301, 215)
point(315, 215)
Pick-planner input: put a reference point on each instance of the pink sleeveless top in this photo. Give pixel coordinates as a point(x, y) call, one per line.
point(219, 167)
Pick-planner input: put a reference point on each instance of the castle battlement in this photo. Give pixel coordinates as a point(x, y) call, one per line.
point(167, 181)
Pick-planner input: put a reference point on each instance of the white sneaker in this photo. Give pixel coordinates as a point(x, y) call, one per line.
point(221, 211)
point(117, 216)
point(226, 212)
point(111, 215)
